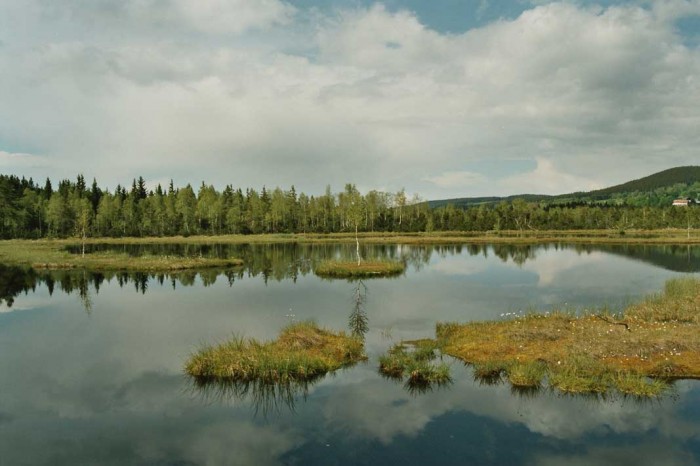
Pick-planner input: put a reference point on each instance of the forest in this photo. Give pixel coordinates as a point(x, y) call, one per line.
point(29, 210)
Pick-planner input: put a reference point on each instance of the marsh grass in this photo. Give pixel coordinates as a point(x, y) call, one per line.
point(636, 352)
point(50, 254)
point(366, 269)
point(415, 362)
point(302, 352)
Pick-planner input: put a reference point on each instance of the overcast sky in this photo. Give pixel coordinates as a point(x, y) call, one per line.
point(446, 98)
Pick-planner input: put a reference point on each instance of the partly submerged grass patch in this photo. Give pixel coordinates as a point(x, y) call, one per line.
point(415, 361)
point(145, 263)
point(54, 254)
point(366, 269)
point(302, 352)
point(635, 352)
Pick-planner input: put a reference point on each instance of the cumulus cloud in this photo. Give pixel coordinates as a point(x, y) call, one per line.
point(208, 16)
point(593, 95)
point(547, 179)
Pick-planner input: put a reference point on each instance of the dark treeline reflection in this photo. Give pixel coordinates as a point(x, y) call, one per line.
point(279, 262)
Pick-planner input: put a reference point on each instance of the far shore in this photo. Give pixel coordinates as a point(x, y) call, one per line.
point(51, 253)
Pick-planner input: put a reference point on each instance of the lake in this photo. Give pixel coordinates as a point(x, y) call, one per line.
point(92, 364)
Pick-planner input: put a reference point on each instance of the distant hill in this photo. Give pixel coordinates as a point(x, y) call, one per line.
point(657, 189)
point(678, 175)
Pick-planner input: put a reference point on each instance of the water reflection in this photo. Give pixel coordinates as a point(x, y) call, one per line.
point(269, 397)
point(281, 262)
point(15, 281)
point(264, 397)
point(110, 390)
point(359, 320)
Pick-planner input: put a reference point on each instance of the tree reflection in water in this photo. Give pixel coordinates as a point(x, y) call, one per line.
point(290, 261)
point(359, 321)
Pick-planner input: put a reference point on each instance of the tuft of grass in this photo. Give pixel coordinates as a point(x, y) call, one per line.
point(678, 303)
point(414, 361)
point(302, 352)
point(634, 352)
point(528, 374)
point(490, 372)
point(366, 269)
point(637, 385)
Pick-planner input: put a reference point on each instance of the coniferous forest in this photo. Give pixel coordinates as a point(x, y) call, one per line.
point(72, 208)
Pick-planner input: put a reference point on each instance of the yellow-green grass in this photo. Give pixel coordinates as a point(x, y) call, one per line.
point(303, 351)
point(366, 269)
point(53, 255)
point(415, 361)
point(636, 352)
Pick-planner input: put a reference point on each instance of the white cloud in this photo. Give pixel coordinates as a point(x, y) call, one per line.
point(546, 179)
point(233, 16)
point(208, 16)
point(456, 179)
point(13, 160)
point(368, 95)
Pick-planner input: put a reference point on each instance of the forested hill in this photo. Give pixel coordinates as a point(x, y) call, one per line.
point(654, 190)
point(673, 176)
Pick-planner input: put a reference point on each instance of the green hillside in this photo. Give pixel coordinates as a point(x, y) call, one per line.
point(653, 190)
point(678, 175)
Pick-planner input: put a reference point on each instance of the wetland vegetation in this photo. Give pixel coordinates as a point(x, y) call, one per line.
point(365, 269)
point(416, 363)
point(302, 352)
point(635, 352)
point(178, 253)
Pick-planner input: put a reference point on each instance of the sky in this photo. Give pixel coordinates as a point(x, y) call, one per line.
point(445, 98)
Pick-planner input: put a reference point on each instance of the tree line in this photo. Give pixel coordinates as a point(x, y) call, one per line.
point(30, 210)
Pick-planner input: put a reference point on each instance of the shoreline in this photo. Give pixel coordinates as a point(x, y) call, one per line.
point(52, 253)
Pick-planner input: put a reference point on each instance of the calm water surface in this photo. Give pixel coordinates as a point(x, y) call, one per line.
point(92, 364)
